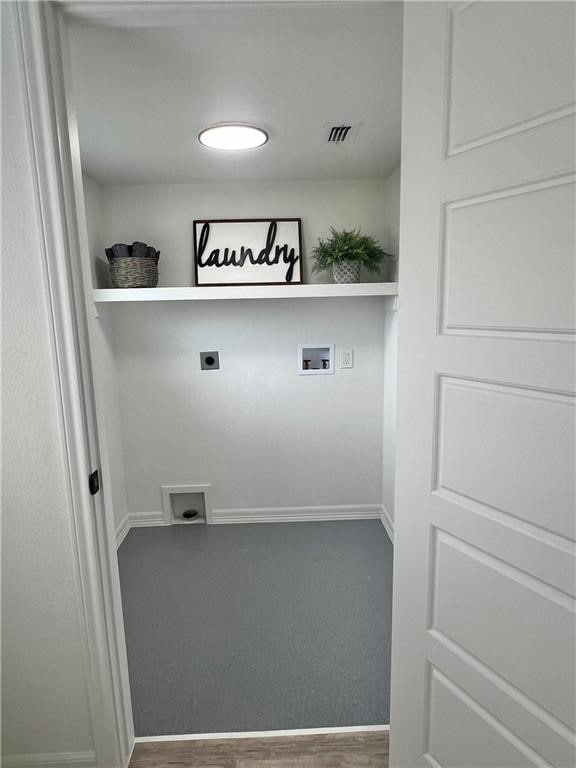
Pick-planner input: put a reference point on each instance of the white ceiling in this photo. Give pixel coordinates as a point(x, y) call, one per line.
point(143, 93)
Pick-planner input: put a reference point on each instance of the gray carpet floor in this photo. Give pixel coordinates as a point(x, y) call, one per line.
point(257, 627)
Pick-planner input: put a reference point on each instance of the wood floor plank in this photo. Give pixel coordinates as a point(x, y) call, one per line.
point(326, 760)
point(367, 749)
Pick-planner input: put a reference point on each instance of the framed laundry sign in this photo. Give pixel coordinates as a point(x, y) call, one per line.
point(248, 252)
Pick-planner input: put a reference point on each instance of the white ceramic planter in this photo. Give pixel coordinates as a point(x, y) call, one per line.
point(346, 272)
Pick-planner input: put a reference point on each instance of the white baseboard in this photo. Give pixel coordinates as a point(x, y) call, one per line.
point(51, 760)
point(296, 514)
point(388, 523)
point(263, 734)
point(146, 519)
point(122, 530)
point(259, 515)
point(138, 520)
point(128, 759)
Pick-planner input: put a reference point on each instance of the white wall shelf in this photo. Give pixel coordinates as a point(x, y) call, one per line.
point(313, 291)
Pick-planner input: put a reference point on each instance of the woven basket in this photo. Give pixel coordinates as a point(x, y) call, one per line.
point(134, 272)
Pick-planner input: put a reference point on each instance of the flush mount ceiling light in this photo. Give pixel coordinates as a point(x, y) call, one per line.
point(233, 136)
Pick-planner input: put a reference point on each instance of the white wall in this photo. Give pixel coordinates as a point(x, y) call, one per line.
point(391, 226)
point(389, 410)
point(262, 434)
point(106, 381)
point(390, 222)
point(109, 419)
point(93, 195)
point(162, 215)
point(44, 700)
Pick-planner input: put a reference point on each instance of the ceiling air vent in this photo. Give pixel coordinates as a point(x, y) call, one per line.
point(338, 133)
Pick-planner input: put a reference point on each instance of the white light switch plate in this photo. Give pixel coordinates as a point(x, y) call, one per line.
point(346, 358)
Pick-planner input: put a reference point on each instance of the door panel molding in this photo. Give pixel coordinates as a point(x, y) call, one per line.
point(537, 472)
point(453, 209)
point(550, 558)
point(533, 724)
point(519, 750)
point(534, 118)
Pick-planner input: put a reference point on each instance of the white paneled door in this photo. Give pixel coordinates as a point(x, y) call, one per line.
point(483, 670)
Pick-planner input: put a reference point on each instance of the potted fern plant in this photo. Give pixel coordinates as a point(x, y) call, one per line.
point(345, 251)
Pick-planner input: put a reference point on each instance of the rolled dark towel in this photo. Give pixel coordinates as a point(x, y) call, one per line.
point(120, 250)
point(140, 249)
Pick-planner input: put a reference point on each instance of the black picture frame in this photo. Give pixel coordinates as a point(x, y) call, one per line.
point(202, 280)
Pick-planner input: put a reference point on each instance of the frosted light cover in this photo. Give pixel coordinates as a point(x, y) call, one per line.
point(233, 137)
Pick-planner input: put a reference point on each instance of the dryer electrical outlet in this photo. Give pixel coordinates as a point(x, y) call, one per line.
point(209, 361)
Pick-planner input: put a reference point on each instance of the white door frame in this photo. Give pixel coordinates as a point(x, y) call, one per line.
point(54, 149)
